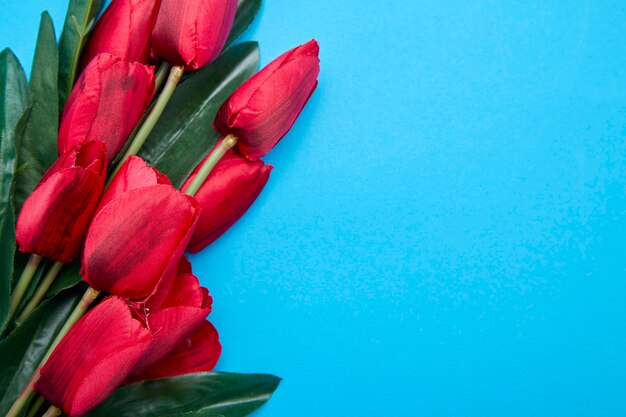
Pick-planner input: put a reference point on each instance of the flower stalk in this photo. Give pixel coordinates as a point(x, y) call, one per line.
point(218, 153)
point(23, 283)
point(52, 412)
point(42, 289)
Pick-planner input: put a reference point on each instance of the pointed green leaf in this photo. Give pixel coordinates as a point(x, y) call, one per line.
point(36, 148)
point(183, 135)
point(206, 393)
point(246, 12)
point(13, 102)
point(80, 19)
point(68, 278)
point(197, 414)
point(21, 352)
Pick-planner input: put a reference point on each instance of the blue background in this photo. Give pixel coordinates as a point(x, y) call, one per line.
point(445, 230)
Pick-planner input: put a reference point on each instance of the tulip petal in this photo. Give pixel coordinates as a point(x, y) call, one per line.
point(192, 33)
point(123, 30)
point(198, 352)
point(133, 174)
point(177, 308)
point(106, 103)
point(94, 358)
point(136, 238)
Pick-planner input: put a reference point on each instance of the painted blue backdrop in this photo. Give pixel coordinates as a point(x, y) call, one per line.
point(445, 230)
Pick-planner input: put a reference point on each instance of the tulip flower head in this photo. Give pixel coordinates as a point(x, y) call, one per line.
point(123, 30)
point(95, 357)
point(192, 33)
point(226, 195)
point(138, 233)
point(106, 103)
point(263, 109)
point(54, 219)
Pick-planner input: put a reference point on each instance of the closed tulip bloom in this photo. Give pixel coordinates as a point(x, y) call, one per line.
point(95, 357)
point(225, 195)
point(198, 352)
point(54, 219)
point(179, 306)
point(138, 235)
point(192, 33)
point(124, 30)
point(106, 103)
point(263, 109)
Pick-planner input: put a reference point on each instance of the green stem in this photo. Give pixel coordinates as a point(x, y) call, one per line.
point(23, 283)
point(36, 406)
point(172, 81)
point(52, 412)
point(161, 74)
point(218, 153)
point(82, 307)
point(44, 286)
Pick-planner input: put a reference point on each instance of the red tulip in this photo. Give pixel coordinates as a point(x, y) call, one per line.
point(95, 357)
point(263, 109)
point(179, 306)
point(138, 235)
point(198, 352)
point(192, 33)
point(55, 217)
point(226, 194)
point(124, 30)
point(106, 103)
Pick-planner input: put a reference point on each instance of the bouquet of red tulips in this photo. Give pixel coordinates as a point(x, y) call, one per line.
point(137, 138)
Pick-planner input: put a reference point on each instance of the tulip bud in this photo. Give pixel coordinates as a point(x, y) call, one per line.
point(106, 103)
point(139, 234)
point(263, 109)
point(225, 195)
point(178, 307)
point(198, 352)
point(192, 33)
point(55, 217)
point(95, 357)
point(124, 30)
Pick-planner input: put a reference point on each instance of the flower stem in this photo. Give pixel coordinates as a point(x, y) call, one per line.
point(36, 406)
point(52, 412)
point(88, 298)
point(172, 81)
point(23, 283)
point(218, 153)
point(161, 74)
point(44, 286)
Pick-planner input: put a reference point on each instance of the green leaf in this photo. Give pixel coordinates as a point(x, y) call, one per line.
point(68, 278)
point(80, 19)
point(22, 351)
point(246, 12)
point(183, 136)
point(201, 394)
point(13, 102)
point(198, 414)
point(37, 145)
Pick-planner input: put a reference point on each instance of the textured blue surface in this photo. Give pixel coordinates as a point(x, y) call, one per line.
point(445, 230)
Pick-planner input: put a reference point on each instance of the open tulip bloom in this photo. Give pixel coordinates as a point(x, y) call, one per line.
point(105, 204)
